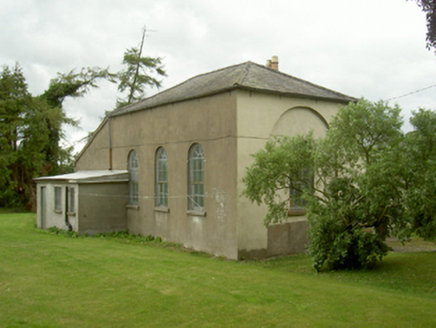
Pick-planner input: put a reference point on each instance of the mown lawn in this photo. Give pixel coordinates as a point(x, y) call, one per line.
point(49, 280)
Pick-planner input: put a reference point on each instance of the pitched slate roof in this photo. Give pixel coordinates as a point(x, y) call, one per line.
point(248, 75)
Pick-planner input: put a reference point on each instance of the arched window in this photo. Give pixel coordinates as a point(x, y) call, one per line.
point(304, 182)
point(133, 180)
point(196, 178)
point(161, 180)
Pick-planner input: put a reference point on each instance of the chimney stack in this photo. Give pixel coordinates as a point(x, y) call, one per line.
point(273, 63)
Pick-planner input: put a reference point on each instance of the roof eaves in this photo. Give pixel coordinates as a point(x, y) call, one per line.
point(240, 82)
point(342, 99)
point(340, 95)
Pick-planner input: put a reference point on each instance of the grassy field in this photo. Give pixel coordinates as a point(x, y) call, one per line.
point(49, 280)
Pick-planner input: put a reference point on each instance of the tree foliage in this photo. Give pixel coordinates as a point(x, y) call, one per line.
point(140, 72)
point(421, 192)
point(371, 181)
point(31, 130)
point(429, 7)
point(276, 170)
point(73, 84)
point(16, 113)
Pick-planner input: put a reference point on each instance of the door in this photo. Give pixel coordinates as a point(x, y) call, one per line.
point(43, 208)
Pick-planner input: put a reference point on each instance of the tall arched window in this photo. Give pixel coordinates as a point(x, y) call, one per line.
point(196, 178)
point(304, 182)
point(161, 180)
point(133, 180)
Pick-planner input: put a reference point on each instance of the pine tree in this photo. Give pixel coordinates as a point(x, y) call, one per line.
point(138, 74)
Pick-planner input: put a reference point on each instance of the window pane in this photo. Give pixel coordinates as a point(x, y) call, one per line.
point(196, 178)
point(161, 183)
point(72, 205)
point(134, 193)
point(296, 201)
point(133, 173)
point(133, 160)
point(58, 198)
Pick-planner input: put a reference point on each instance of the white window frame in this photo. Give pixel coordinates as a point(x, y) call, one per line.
point(161, 178)
point(71, 199)
point(133, 166)
point(57, 190)
point(196, 193)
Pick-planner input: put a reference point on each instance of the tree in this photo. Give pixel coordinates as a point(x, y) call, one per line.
point(15, 104)
point(138, 74)
point(276, 170)
point(72, 85)
point(429, 7)
point(31, 130)
point(366, 183)
point(421, 191)
point(362, 187)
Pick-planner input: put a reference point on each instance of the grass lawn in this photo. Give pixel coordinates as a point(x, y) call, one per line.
point(49, 280)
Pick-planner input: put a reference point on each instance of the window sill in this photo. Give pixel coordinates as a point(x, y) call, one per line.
point(296, 212)
point(58, 211)
point(162, 209)
point(196, 213)
point(132, 206)
point(71, 213)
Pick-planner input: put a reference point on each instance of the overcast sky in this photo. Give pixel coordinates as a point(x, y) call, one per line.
point(363, 48)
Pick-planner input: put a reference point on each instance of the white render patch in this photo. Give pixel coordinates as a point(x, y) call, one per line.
point(91, 176)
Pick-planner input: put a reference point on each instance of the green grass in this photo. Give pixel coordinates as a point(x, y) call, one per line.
point(50, 280)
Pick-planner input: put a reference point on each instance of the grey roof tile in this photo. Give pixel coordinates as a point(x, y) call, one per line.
point(247, 75)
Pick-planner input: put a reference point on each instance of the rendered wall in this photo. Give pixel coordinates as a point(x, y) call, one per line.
point(102, 207)
point(287, 238)
point(210, 122)
point(95, 155)
point(55, 218)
